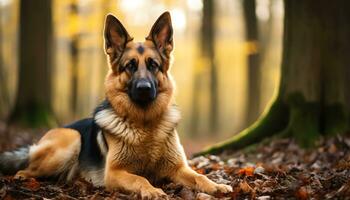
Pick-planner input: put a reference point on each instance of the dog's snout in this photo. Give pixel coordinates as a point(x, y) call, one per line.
point(142, 91)
point(143, 85)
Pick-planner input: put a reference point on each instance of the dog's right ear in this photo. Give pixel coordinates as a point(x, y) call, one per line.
point(115, 37)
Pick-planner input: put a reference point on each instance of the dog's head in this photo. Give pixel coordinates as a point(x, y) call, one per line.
point(138, 84)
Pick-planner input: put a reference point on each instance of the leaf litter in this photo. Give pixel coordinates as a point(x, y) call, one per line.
point(275, 170)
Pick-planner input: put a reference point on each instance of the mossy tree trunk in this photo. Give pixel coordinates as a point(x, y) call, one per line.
point(33, 102)
point(313, 98)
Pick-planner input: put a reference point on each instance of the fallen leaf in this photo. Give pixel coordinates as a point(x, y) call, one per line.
point(216, 166)
point(203, 196)
point(259, 170)
point(245, 187)
point(187, 193)
point(302, 193)
point(263, 198)
point(332, 148)
point(200, 171)
point(32, 184)
point(247, 171)
point(8, 197)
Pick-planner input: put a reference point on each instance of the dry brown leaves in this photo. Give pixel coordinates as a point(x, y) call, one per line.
point(278, 170)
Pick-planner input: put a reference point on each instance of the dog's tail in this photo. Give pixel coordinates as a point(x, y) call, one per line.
point(12, 161)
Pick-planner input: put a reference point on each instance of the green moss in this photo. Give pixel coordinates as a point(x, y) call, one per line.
point(297, 118)
point(335, 119)
point(34, 116)
point(304, 124)
point(272, 121)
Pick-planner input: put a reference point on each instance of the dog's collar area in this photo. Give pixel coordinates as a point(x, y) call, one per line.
point(109, 121)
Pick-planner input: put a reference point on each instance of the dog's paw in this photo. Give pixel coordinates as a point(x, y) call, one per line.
point(223, 188)
point(153, 193)
point(213, 188)
point(206, 185)
point(21, 175)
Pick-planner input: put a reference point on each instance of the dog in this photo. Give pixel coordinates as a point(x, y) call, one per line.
point(131, 139)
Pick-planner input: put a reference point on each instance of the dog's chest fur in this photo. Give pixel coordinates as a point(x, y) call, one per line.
point(141, 150)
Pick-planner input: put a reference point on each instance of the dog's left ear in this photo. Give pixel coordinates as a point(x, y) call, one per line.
point(115, 36)
point(162, 34)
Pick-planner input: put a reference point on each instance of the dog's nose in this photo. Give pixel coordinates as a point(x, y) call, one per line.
point(143, 85)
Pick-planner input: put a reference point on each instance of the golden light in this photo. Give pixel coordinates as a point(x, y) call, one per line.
point(5, 2)
point(132, 5)
point(262, 10)
point(178, 19)
point(195, 5)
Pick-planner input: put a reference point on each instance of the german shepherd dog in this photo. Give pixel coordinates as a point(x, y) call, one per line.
point(130, 141)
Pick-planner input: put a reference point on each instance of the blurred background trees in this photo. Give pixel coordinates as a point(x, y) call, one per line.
point(253, 63)
point(32, 106)
point(227, 57)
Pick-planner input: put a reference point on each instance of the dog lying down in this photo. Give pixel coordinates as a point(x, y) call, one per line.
point(131, 139)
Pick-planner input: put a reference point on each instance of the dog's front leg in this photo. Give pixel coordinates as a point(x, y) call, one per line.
point(118, 178)
point(188, 177)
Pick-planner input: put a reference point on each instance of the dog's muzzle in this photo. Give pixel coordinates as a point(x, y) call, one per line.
point(142, 91)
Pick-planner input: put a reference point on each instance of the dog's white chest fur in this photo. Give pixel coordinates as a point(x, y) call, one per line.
point(109, 121)
point(142, 149)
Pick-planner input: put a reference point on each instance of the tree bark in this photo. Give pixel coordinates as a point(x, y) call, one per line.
point(74, 52)
point(313, 99)
point(3, 81)
point(195, 106)
point(208, 46)
point(33, 103)
point(253, 60)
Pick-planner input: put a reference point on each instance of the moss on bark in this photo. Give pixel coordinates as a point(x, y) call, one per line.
point(292, 117)
point(313, 95)
point(304, 120)
point(335, 119)
point(272, 121)
point(33, 115)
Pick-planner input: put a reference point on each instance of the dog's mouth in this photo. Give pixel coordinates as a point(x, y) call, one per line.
point(142, 92)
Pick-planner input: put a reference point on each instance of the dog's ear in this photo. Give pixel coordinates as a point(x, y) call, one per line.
point(162, 34)
point(115, 37)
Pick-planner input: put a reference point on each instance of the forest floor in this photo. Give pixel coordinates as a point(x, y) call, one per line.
point(277, 169)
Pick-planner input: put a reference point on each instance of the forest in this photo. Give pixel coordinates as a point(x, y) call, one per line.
point(261, 86)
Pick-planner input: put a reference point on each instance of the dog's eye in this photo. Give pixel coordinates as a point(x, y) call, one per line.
point(152, 65)
point(131, 66)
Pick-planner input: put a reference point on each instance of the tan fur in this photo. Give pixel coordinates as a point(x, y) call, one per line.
point(122, 179)
point(186, 176)
point(148, 151)
point(116, 83)
point(144, 149)
point(143, 145)
point(56, 152)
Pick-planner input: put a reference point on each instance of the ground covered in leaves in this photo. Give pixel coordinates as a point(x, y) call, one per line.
point(278, 169)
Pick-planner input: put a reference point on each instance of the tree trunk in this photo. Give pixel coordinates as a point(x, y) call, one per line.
point(207, 44)
point(74, 71)
point(313, 98)
point(195, 106)
point(253, 62)
point(208, 48)
point(74, 52)
point(3, 81)
point(33, 103)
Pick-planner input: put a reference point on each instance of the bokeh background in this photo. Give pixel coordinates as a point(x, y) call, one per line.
point(227, 57)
